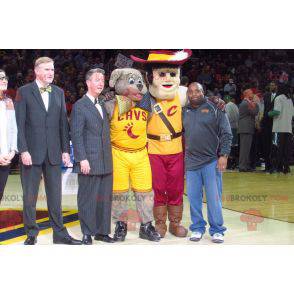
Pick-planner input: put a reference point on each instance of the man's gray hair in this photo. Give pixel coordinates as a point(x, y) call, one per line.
point(92, 71)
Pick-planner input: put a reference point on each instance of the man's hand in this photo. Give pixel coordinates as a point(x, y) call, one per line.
point(85, 167)
point(4, 161)
point(26, 158)
point(9, 156)
point(65, 159)
point(222, 163)
point(220, 104)
point(109, 95)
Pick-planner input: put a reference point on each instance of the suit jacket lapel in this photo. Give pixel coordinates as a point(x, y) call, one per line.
point(37, 95)
point(92, 107)
point(105, 115)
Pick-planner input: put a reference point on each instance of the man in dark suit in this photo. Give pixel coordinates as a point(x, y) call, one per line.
point(93, 160)
point(248, 109)
point(43, 142)
point(267, 124)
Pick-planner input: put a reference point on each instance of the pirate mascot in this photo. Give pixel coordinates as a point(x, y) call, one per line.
point(164, 132)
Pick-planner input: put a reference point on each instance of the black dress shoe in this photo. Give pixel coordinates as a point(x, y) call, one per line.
point(67, 240)
point(148, 232)
point(286, 170)
point(104, 238)
point(247, 170)
point(30, 240)
point(87, 240)
point(120, 232)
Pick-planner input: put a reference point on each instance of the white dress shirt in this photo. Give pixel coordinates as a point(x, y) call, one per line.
point(3, 129)
point(98, 106)
point(45, 96)
point(8, 128)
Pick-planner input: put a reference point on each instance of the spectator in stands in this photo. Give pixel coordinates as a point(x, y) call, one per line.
point(282, 114)
point(230, 88)
point(8, 132)
point(248, 109)
point(205, 77)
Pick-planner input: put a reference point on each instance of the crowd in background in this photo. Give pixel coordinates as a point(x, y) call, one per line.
point(225, 73)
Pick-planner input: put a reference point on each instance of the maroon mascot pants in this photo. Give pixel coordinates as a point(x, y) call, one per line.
point(167, 178)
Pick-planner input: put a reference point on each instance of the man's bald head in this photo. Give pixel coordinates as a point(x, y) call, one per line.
point(195, 85)
point(195, 94)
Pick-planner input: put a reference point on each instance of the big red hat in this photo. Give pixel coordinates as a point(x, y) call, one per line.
point(165, 56)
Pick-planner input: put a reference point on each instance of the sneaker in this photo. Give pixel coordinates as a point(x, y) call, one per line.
point(196, 236)
point(217, 238)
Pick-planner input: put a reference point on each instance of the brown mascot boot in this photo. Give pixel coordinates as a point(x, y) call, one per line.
point(175, 214)
point(160, 215)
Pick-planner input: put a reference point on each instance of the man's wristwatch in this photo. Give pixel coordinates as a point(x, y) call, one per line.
point(224, 155)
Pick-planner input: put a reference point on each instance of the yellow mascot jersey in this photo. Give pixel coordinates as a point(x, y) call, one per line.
point(128, 131)
point(172, 109)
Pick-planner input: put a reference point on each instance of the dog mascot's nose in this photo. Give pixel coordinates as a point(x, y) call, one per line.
point(140, 86)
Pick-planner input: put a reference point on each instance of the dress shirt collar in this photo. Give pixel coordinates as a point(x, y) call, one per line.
point(39, 84)
point(91, 97)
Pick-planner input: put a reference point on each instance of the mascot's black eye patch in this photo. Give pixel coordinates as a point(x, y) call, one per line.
point(162, 74)
point(173, 74)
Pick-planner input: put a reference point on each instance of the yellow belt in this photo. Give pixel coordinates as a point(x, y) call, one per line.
point(127, 149)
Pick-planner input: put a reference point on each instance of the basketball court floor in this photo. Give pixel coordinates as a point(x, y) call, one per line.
point(258, 208)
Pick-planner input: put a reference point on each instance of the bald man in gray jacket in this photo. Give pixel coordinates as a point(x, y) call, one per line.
point(248, 110)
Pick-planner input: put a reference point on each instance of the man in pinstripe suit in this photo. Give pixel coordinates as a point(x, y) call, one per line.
point(93, 160)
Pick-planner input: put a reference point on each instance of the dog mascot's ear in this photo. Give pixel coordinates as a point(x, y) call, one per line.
point(115, 75)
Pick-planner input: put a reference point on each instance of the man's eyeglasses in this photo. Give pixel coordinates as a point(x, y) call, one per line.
point(4, 78)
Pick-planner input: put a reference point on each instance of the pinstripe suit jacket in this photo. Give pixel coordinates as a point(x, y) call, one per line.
point(90, 136)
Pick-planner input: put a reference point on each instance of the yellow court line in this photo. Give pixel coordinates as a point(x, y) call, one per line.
point(43, 232)
point(38, 221)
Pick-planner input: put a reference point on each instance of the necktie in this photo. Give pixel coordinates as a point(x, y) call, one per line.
point(97, 101)
point(45, 89)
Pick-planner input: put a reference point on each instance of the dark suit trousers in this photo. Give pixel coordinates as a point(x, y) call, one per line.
point(267, 141)
point(245, 146)
point(30, 179)
point(283, 150)
point(94, 203)
point(4, 172)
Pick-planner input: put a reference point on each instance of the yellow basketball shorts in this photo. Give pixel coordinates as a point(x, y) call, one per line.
point(131, 169)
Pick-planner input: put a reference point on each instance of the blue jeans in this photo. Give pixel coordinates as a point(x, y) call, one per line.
point(209, 177)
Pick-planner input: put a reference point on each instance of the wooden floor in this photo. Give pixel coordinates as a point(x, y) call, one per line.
point(258, 208)
point(267, 195)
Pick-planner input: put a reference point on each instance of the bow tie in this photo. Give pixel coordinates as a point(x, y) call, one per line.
point(45, 89)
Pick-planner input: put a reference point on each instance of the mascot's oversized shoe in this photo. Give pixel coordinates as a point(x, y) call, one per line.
point(160, 216)
point(120, 231)
point(175, 214)
point(148, 232)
